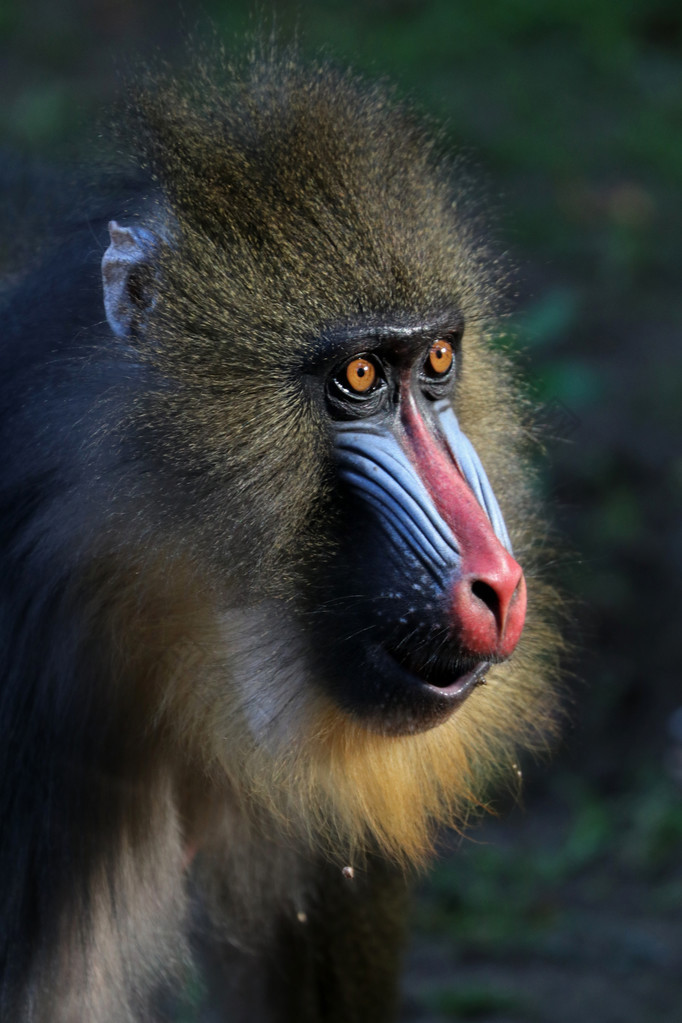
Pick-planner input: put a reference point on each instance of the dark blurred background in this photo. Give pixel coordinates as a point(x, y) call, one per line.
point(570, 112)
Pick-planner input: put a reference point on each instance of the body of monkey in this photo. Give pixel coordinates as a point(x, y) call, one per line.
point(253, 570)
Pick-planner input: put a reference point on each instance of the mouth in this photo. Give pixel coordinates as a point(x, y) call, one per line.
point(444, 678)
point(403, 693)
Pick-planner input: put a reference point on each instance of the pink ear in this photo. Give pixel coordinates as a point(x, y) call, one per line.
point(131, 250)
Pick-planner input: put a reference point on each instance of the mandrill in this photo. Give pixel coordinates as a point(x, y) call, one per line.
point(267, 549)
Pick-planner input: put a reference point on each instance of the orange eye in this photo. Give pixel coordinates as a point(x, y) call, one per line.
point(360, 374)
point(440, 357)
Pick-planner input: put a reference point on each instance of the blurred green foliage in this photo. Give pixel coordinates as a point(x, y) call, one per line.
point(475, 1001)
point(589, 886)
point(492, 898)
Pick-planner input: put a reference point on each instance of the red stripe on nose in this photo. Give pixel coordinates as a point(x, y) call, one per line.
point(488, 597)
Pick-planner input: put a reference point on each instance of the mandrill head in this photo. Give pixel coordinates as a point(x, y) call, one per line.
point(315, 305)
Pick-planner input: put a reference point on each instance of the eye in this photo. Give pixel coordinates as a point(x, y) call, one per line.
point(360, 375)
point(439, 360)
point(357, 388)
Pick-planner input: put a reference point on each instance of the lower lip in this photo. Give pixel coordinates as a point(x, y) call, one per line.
point(464, 685)
point(419, 705)
point(457, 691)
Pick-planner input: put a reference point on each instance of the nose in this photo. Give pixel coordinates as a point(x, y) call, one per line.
point(488, 605)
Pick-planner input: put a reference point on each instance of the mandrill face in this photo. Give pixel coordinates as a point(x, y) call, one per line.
point(422, 594)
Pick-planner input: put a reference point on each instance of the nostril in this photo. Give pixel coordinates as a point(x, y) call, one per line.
point(489, 609)
point(488, 596)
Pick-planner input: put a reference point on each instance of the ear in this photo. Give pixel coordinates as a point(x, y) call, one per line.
point(128, 277)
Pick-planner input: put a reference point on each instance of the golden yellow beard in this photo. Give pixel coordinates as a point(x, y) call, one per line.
point(346, 789)
point(290, 759)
